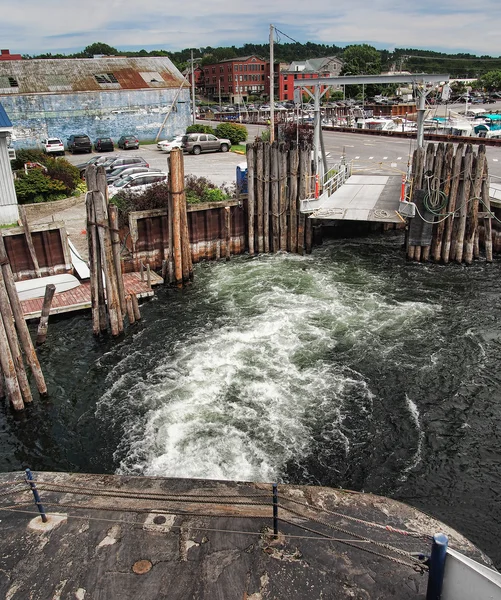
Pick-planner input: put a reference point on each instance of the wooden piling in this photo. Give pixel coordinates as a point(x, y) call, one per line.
point(464, 201)
point(293, 199)
point(117, 261)
point(177, 185)
point(135, 307)
point(472, 219)
point(227, 231)
point(9, 370)
point(451, 207)
point(12, 338)
point(446, 177)
point(251, 197)
point(304, 159)
point(413, 252)
point(43, 326)
point(488, 218)
point(266, 197)
point(282, 198)
point(29, 239)
point(22, 328)
point(130, 309)
point(275, 195)
point(259, 195)
point(434, 188)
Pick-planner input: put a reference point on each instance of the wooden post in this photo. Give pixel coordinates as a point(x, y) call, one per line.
point(130, 309)
point(43, 326)
point(148, 275)
point(472, 221)
point(304, 158)
point(135, 307)
point(282, 198)
point(10, 331)
point(227, 231)
point(29, 239)
point(259, 196)
point(417, 171)
point(266, 196)
point(435, 183)
point(117, 261)
point(486, 201)
point(251, 186)
point(423, 252)
point(22, 328)
point(177, 185)
point(275, 194)
point(185, 234)
point(170, 266)
point(9, 370)
point(453, 195)
point(446, 178)
point(463, 206)
point(293, 200)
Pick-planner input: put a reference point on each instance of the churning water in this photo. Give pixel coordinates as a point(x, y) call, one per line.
point(349, 367)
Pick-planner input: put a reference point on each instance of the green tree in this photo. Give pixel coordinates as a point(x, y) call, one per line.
point(234, 132)
point(361, 59)
point(99, 48)
point(491, 81)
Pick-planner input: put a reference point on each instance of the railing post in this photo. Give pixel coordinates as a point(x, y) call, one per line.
point(275, 510)
point(38, 502)
point(437, 566)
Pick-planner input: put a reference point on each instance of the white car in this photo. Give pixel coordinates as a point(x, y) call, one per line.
point(53, 146)
point(174, 141)
point(136, 183)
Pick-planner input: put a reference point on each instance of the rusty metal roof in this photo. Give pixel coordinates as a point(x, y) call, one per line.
point(68, 75)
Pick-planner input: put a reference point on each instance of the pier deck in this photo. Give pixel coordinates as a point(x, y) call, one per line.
point(79, 298)
point(361, 198)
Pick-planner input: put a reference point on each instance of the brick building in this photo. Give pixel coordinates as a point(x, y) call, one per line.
point(6, 55)
point(313, 68)
point(235, 79)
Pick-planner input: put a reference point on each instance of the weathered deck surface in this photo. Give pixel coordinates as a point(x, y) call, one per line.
point(79, 298)
point(121, 537)
point(372, 198)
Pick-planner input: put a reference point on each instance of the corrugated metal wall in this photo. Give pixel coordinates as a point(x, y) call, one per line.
point(8, 201)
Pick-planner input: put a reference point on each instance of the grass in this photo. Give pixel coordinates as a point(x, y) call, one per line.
point(238, 148)
point(8, 226)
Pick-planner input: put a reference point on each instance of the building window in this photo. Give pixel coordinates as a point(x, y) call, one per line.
point(106, 78)
point(285, 87)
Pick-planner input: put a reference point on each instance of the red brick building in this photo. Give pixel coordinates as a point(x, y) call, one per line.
point(235, 79)
point(306, 69)
point(6, 55)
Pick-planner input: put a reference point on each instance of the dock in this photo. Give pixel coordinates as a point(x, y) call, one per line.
point(79, 298)
point(373, 198)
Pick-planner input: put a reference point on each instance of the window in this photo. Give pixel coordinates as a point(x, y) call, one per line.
point(245, 67)
point(106, 78)
point(203, 138)
point(285, 87)
point(211, 138)
point(152, 77)
point(8, 82)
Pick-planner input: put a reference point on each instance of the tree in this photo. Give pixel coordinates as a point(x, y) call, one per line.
point(360, 59)
point(491, 81)
point(99, 48)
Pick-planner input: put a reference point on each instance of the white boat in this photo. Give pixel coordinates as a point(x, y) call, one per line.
point(35, 288)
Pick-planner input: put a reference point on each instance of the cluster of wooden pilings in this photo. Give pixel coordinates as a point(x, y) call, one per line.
point(278, 177)
point(457, 184)
point(14, 340)
point(178, 267)
point(108, 299)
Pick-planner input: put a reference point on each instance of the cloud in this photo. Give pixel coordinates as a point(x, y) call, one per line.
point(53, 26)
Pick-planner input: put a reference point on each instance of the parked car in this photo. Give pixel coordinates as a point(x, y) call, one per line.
point(53, 146)
point(136, 183)
point(104, 144)
point(174, 141)
point(79, 143)
point(127, 170)
point(121, 161)
point(95, 160)
point(128, 142)
point(203, 142)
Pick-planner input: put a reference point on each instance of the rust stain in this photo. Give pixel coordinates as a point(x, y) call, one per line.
point(142, 566)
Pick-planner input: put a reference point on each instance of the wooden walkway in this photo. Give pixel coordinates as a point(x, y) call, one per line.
point(79, 298)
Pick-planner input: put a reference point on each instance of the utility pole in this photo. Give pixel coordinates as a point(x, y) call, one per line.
point(272, 87)
point(193, 89)
point(219, 87)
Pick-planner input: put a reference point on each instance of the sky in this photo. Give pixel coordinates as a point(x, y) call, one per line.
point(35, 27)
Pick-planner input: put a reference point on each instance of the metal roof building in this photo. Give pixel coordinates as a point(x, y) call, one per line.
point(8, 201)
point(107, 96)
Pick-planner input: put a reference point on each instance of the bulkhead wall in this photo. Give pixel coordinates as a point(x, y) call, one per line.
point(109, 113)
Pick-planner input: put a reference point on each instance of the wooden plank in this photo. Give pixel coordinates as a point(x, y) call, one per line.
point(29, 239)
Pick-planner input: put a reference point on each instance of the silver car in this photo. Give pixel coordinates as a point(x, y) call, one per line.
point(122, 172)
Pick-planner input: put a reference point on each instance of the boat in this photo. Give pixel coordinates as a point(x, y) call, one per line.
point(35, 288)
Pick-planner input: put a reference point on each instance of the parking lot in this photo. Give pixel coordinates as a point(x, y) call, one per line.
point(218, 167)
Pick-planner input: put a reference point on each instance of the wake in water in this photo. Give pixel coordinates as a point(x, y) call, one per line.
point(271, 383)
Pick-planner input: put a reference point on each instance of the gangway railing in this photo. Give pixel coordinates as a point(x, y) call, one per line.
point(495, 188)
point(332, 180)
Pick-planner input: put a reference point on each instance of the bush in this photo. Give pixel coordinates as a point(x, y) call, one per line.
point(200, 129)
point(26, 155)
point(291, 132)
point(36, 186)
point(65, 172)
point(235, 132)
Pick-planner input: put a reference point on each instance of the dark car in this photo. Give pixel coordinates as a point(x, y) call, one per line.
point(79, 143)
point(95, 160)
point(115, 163)
point(104, 144)
point(128, 142)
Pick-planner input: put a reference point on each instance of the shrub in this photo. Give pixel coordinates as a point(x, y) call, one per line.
point(65, 172)
point(235, 132)
point(292, 132)
point(36, 186)
point(200, 129)
point(28, 155)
